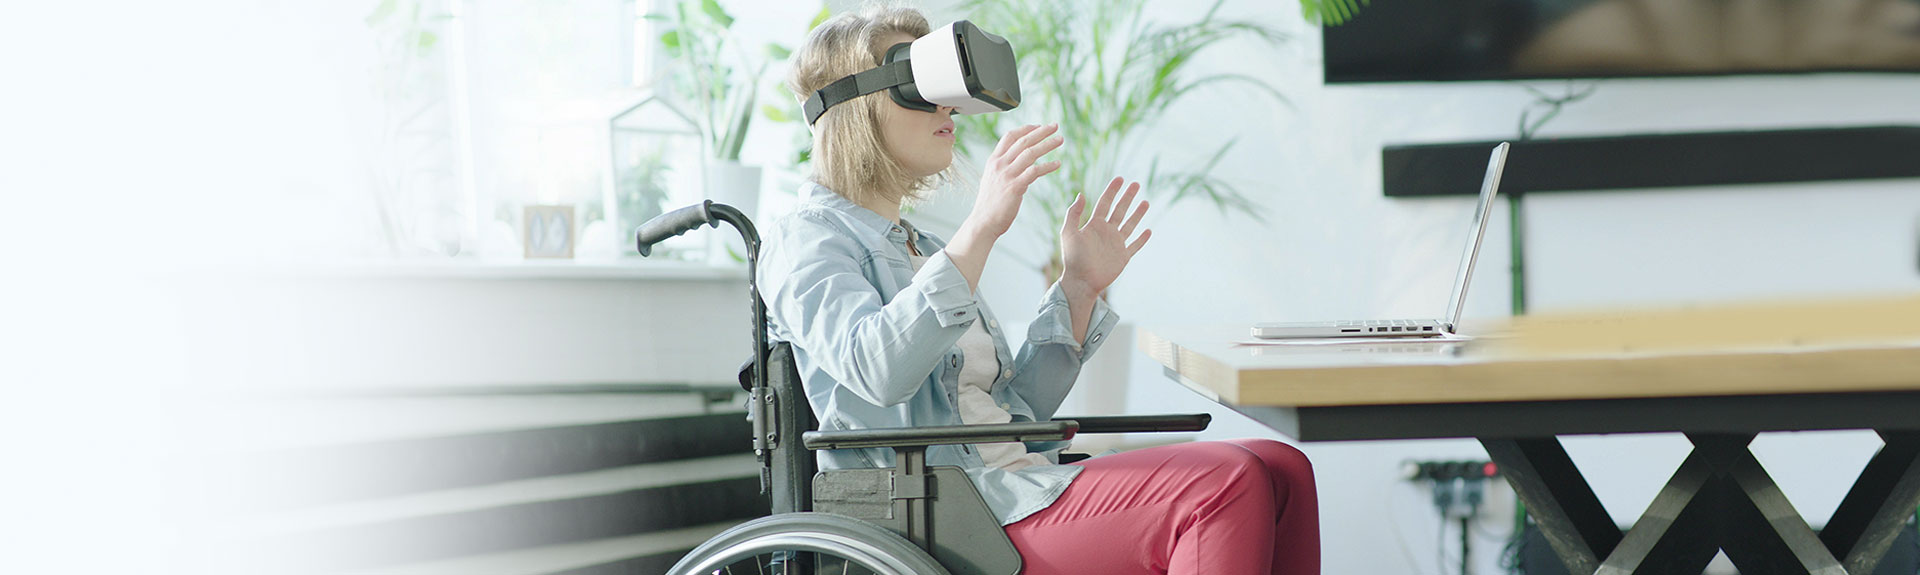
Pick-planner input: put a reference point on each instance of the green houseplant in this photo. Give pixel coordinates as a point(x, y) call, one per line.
point(715, 72)
point(413, 184)
point(722, 77)
point(1331, 12)
point(642, 187)
point(1106, 74)
point(719, 77)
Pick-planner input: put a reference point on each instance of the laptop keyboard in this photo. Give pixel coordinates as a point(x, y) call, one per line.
point(1386, 325)
point(1375, 323)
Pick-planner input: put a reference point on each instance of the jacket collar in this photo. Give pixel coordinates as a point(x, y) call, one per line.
point(818, 194)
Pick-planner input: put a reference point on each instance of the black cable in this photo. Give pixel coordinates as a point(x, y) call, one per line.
point(1552, 105)
point(1464, 543)
point(1517, 256)
point(1516, 546)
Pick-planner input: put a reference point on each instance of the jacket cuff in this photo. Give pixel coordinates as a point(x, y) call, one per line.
point(1055, 323)
point(946, 291)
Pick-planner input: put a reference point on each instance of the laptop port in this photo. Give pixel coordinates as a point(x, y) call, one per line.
point(1353, 330)
point(1396, 328)
point(1427, 328)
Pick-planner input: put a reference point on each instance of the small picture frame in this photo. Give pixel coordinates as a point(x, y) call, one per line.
point(548, 231)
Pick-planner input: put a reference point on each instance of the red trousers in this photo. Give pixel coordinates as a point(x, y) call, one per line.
point(1242, 507)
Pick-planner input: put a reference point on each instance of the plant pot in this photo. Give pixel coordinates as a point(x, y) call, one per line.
point(732, 183)
point(1101, 388)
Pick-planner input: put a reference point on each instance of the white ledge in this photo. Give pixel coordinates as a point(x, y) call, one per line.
point(623, 269)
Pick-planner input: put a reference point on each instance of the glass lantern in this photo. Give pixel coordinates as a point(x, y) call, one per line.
point(657, 165)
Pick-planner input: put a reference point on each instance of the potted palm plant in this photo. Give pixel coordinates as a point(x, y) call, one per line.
point(1106, 73)
point(721, 78)
point(414, 188)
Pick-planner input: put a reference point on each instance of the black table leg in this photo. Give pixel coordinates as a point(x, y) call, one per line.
point(1882, 499)
point(1759, 529)
point(1720, 498)
point(1558, 498)
point(1675, 533)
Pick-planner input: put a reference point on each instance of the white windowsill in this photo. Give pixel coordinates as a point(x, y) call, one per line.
point(623, 269)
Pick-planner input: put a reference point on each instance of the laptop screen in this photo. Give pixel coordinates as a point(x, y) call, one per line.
point(1488, 186)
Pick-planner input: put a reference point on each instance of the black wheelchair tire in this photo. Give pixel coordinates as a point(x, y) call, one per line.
point(872, 547)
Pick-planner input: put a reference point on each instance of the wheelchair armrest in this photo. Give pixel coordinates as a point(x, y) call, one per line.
point(1140, 423)
point(941, 435)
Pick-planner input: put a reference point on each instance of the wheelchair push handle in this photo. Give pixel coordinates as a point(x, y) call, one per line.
point(673, 223)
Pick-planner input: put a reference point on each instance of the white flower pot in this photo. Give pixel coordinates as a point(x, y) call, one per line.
point(1101, 388)
point(738, 185)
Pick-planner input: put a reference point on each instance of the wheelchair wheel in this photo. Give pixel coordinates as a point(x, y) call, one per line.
point(807, 544)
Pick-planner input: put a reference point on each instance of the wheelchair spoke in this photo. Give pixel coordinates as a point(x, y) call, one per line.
point(794, 563)
point(776, 543)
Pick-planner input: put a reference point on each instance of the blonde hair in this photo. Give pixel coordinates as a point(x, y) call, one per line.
point(849, 156)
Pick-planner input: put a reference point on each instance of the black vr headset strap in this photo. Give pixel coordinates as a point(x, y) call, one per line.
point(867, 82)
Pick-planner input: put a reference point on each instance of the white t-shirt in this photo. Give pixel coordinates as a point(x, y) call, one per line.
point(981, 366)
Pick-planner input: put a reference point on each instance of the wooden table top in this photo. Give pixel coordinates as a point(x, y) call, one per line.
point(1804, 347)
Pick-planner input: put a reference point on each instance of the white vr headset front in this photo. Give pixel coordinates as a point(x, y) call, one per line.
point(958, 65)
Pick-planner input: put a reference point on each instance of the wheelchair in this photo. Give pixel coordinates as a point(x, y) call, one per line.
point(912, 519)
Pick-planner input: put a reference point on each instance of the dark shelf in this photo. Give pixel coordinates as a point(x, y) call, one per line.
point(1658, 161)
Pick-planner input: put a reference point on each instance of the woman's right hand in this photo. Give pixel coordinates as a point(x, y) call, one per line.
point(1010, 169)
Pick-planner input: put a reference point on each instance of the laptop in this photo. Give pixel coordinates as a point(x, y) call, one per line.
point(1410, 327)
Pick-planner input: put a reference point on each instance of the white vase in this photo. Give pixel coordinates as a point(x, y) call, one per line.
point(738, 185)
point(1101, 388)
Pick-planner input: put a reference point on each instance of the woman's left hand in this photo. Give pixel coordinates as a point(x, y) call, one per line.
point(1093, 255)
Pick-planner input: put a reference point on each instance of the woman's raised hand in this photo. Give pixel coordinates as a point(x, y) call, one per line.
point(1094, 254)
point(1010, 169)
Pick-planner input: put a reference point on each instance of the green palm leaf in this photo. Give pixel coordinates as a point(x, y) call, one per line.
point(1106, 73)
point(1331, 12)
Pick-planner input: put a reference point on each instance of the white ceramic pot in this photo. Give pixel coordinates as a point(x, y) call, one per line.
point(738, 185)
point(1101, 388)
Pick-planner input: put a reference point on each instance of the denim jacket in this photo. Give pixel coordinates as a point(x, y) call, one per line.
point(876, 342)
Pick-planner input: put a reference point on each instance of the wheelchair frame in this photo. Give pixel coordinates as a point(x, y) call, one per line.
point(935, 510)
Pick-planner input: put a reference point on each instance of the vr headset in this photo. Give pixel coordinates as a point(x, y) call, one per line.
point(958, 65)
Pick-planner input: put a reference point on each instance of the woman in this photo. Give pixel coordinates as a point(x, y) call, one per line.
point(887, 332)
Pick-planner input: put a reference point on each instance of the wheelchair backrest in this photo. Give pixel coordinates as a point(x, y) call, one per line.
point(793, 466)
